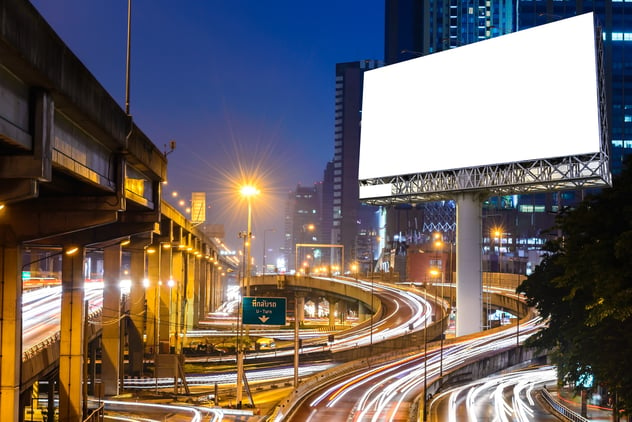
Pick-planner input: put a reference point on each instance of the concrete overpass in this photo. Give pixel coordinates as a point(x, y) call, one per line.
point(79, 178)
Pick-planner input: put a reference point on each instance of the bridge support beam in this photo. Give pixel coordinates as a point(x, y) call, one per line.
point(300, 307)
point(164, 299)
point(152, 296)
point(205, 289)
point(137, 307)
point(111, 337)
point(188, 291)
point(71, 347)
point(332, 313)
point(469, 287)
point(176, 301)
point(11, 329)
point(364, 312)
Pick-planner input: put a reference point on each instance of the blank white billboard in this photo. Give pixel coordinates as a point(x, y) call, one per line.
point(532, 94)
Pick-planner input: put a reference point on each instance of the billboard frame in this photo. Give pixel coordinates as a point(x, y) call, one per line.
point(531, 176)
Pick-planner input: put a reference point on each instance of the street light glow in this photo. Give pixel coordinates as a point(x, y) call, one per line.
point(249, 190)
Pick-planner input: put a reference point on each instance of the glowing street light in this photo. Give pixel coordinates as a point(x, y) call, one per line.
point(247, 192)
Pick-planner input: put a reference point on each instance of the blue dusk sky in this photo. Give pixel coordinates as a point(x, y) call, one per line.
point(245, 88)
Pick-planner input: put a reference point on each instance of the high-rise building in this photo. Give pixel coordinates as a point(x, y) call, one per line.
point(350, 218)
point(615, 20)
point(418, 27)
point(303, 225)
point(327, 216)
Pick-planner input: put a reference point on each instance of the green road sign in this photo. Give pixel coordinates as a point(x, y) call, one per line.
point(263, 310)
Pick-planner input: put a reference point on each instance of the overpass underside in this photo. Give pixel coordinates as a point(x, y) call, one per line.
point(79, 178)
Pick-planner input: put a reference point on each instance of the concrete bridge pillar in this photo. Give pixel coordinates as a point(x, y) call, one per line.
point(188, 291)
point(209, 288)
point(164, 296)
point(176, 300)
point(469, 287)
point(11, 328)
point(300, 308)
point(200, 293)
point(343, 308)
point(217, 289)
point(152, 298)
point(71, 347)
point(137, 306)
point(111, 357)
point(332, 313)
point(363, 311)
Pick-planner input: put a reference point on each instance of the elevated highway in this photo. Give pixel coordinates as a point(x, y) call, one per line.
point(78, 181)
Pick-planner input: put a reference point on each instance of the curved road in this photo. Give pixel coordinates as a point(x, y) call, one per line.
point(505, 397)
point(387, 392)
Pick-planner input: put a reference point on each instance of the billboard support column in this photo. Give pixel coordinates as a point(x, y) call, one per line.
point(469, 287)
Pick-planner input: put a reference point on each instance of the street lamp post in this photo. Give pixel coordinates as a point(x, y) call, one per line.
point(372, 288)
point(425, 414)
point(247, 192)
point(439, 244)
point(239, 357)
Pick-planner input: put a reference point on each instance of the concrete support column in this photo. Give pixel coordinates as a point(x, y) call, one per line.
point(469, 287)
point(199, 292)
point(217, 289)
point(332, 313)
point(342, 311)
point(300, 299)
point(71, 347)
point(164, 296)
point(137, 306)
point(111, 358)
point(11, 329)
point(175, 301)
point(363, 311)
point(205, 288)
point(153, 301)
point(188, 302)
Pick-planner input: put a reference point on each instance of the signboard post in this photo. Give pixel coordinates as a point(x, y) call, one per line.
point(264, 310)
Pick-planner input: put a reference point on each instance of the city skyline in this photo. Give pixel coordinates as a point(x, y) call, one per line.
point(241, 87)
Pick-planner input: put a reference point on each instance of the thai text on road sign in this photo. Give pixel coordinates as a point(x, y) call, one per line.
point(264, 310)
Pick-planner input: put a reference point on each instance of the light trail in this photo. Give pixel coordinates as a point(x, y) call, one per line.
point(491, 392)
point(381, 393)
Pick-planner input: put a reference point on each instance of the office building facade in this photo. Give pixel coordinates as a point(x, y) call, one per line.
point(351, 220)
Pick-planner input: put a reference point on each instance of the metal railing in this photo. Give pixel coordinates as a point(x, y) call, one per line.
point(562, 410)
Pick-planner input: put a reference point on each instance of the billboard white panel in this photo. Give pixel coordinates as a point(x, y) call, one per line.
point(528, 95)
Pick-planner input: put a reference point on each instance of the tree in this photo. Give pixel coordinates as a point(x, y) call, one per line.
point(583, 286)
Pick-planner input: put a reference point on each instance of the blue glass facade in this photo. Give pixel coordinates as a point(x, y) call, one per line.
point(420, 27)
point(615, 20)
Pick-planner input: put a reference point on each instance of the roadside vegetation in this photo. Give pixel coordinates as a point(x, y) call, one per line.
point(584, 288)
